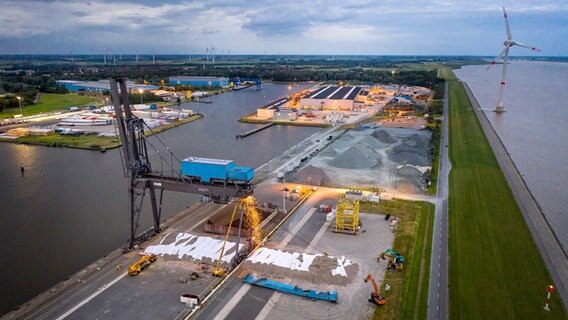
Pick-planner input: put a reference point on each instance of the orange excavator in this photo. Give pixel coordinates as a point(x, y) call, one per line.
point(375, 297)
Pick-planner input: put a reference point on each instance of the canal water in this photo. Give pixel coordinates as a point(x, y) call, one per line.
point(70, 207)
point(534, 128)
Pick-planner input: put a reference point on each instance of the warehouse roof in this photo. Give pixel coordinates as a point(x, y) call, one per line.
point(335, 93)
point(202, 78)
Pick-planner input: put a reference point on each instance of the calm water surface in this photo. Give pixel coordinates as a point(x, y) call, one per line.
point(71, 207)
point(534, 129)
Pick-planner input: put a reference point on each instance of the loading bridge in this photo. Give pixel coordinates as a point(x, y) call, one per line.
point(144, 180)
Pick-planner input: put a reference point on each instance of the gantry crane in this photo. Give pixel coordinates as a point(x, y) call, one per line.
point(137, 167)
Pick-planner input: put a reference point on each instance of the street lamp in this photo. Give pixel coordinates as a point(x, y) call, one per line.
point(141, 92)
point(284, 195)
point(20, 103)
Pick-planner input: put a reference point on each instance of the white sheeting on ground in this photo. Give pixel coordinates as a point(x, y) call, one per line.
point(294, 260)
point(195, 247)
point(341, 264)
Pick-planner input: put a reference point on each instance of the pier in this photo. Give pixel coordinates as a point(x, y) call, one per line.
point(255, 130)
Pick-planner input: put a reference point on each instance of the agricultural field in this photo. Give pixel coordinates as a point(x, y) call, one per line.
point(50, 102)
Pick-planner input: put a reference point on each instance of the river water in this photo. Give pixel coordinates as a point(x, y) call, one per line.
point(71, 206)
point(534, 128)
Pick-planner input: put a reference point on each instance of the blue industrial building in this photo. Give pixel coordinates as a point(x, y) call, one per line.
point(100, 86)
point(199, 81)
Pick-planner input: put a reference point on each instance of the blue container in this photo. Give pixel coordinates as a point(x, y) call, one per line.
point(206, 169)
point(241, 174)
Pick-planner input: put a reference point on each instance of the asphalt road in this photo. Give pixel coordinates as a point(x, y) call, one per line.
point(64, 303)
point(438, 287)
point(550, 249)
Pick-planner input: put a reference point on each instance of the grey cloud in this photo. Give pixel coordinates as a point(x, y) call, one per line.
point(79, 14)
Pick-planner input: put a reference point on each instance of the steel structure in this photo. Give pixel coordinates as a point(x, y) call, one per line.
point(143, 180)
point(347, 216)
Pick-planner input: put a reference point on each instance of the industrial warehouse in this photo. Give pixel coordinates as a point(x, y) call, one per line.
point(100, 86)
point(341, 98)
point(330, 104)
point(199, 81)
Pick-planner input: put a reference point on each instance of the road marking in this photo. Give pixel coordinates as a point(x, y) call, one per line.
point(296, 228)
point(268, 306)
point(310, 248)
point(438, 284)
point(91, 297)
point(233, 301)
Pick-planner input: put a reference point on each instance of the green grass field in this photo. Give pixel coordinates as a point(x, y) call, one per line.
point(496, 271)
point(92, 142)
point(50, 102)
point(408, 297)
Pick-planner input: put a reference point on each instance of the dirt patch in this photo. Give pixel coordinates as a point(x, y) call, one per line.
point(289, 266)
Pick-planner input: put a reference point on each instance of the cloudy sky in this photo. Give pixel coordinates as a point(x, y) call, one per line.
point(374, 27)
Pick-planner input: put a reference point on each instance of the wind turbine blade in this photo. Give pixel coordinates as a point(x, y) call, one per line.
point(527, 46)
point(509, 36)
point(497, 57)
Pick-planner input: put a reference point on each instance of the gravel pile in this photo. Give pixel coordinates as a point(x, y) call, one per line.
point(383, 136)
point(353, 158)
point(313, 176)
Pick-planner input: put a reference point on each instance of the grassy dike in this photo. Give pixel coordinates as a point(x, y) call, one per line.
point(408, 296)
point(496, 271)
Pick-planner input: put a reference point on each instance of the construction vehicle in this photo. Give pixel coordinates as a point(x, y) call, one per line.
point(375, 297)
point(143, 263)
point(396, 260)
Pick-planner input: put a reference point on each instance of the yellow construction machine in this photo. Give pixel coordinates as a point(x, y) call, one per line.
point(141, 264)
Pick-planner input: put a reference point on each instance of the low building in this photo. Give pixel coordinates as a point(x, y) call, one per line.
point(199, 81)
point(267, 111)
point(285, 115)
point(331, 98)
point(100, 86)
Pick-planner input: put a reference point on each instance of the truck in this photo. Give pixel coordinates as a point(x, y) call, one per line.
point(213, 171)
point(143, 263)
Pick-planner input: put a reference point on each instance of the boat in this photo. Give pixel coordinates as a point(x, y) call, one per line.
point(85, 121)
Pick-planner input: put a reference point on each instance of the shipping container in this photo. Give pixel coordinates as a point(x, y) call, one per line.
point(209, 170)
point(206, 169)
point(241, 174)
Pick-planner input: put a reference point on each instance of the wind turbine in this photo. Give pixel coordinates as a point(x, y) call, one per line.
point(505, 54)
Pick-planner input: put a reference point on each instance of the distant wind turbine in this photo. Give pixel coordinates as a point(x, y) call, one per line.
point(505, 54)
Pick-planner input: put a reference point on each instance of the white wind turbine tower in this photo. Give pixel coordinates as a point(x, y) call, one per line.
point(505, 54)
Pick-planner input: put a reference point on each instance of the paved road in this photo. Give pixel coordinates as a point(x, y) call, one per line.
point(64, 303)
point(438, 287)
point(550, 249)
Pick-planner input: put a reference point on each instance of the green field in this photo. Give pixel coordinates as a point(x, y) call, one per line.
point(408, 296)
point(50, 102)
point(496, 271)
point(92, 142)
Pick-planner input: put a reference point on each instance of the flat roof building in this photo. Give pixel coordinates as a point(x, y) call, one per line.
point(100, 86)
point(331, 98)
point(199, 81)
